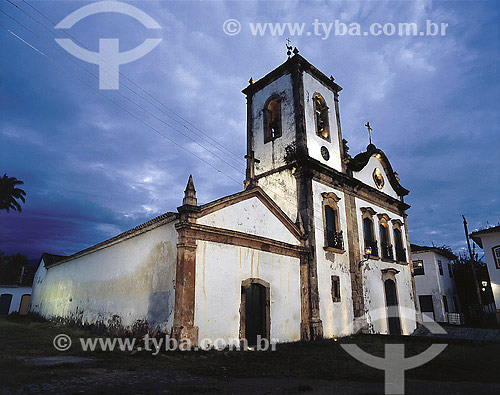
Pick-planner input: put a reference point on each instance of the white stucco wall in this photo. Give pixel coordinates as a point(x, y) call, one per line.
point(434, 284)
point(489, 241)
point(133, 279)
point(220, 270)
point(314, 142)
point(366, 176)
point(250, 216)
point(271, 154)
point(336, 316)
point(373, 287)
point(282, 188)
point(17, 293)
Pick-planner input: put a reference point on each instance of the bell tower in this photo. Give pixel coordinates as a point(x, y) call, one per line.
point(293, 124)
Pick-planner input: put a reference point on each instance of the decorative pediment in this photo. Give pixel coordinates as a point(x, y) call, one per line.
point(368, 210)
point(361, 160)
point(397, 222)
point(383, 217)
point(330, 195)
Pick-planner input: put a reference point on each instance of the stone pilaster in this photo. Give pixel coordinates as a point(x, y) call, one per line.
point(185, 275)
point(311, 327)
point(354, 256)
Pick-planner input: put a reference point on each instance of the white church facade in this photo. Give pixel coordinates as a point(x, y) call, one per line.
point(316, 241)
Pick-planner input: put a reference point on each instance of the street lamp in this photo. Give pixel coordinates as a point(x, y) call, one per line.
point(368, 252)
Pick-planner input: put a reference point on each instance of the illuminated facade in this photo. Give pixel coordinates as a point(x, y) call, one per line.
point(317, 240)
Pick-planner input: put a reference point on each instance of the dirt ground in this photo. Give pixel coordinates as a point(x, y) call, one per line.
point(30, 363)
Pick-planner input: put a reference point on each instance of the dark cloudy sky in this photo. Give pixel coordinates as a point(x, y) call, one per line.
point(92, 171)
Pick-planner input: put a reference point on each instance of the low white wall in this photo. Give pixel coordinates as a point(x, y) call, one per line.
point(17, 293)
point(133, 279)
point(220, 270)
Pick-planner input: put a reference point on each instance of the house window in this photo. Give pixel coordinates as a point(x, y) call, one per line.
point(336, 288)
point(321, 117)
point(371, 248)
point(450, 270)
point(445, 304)
point(385, 245)
point(418, 268)
point(370, 243)
point(272, 119)
point(440, 267)
point(398, 241)
point(496, 256)
point(333, 234)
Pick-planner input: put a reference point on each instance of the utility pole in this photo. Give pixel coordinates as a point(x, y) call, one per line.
point(471, 256)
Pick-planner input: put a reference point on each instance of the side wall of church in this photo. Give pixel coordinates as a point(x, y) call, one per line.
point(282, 188)
point(220, 270)
point(314, 142)
point(127, 284)
point(373, 285)
point(271, 154)
point(336, 316)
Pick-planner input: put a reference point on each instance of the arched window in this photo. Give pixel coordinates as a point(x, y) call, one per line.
point(385, 243)
point(371, 248)
point(272, 119)
point(333, 234)
point(398, 241)
point(321, 117)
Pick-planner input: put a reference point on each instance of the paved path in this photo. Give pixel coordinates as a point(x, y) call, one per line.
point(462, 333)
point(177, 382)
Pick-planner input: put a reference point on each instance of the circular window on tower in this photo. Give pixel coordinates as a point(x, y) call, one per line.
point(377, 177)
point(325, 153)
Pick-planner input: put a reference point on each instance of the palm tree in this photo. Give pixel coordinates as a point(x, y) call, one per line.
point(9, 193)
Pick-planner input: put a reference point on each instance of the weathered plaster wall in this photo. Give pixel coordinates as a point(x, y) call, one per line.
point(434, 284)
point(366, 176)
point(250, 216)
point(490, 241)
point(17, 293)
point(220, 270)
point(271, 154)
point(282, 188)
point(314, 142)
point(336, 316)
point(128, 282)
point(373, 286)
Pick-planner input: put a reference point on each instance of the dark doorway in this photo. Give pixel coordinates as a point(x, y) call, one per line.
point(255, 312)
point(391, 300)
point(5, 300)
point(426, 307)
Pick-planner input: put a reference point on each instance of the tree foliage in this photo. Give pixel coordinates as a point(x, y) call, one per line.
point(15, 269)
point(10, 193)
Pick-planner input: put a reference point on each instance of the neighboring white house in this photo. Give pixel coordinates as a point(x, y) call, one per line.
point(489, 241)
point(317, 239)
point(434, 282)
point(14, 298)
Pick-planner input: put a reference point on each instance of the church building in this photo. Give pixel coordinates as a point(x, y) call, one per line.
point(315, 242)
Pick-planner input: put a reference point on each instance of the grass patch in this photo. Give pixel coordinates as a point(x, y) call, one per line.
point(23, 338)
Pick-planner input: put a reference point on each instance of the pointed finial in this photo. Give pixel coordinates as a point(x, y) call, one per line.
point(190, 193)
point(250, 81)
point(288, 48)
point(367, 126)
point(295, 51)
point(300, 224)
point(331, 78)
